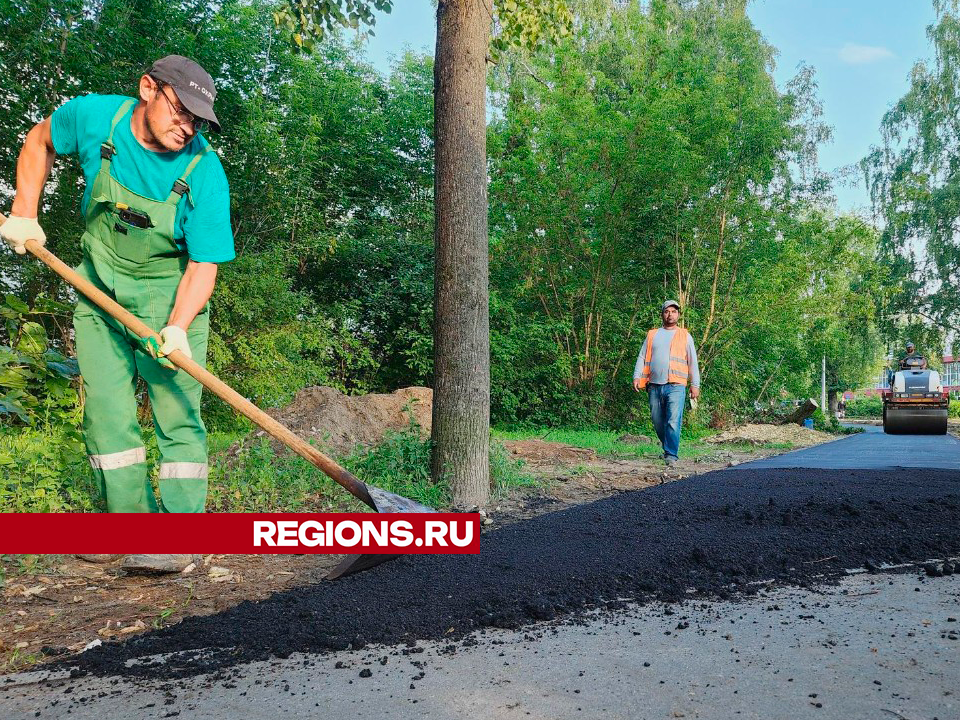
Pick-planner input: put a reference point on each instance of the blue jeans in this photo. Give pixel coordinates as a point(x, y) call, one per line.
point(666, 410)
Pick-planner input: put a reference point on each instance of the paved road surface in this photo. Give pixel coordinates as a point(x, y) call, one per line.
point(873, 648)
point(871, 449)
point(878, 646)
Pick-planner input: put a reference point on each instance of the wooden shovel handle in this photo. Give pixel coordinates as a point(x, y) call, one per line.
point(210, 381)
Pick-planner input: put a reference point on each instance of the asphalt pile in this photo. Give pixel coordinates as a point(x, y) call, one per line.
point(717, 535)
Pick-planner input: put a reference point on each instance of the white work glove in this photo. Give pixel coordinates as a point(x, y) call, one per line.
point(174, 338)
point(17, 230)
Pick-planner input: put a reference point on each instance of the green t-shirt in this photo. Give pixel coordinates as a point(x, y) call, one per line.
point(81, 125)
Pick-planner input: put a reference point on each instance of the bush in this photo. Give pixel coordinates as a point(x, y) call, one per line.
point(37, 384)
point(866, 407)
point(824, 423)
point(401, 465)
point(45, 470)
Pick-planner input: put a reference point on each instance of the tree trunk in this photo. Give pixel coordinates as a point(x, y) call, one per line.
point(461, 391)
point(832, 400)
point(801, 413)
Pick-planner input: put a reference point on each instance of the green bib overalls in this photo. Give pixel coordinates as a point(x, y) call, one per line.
point(140, 268)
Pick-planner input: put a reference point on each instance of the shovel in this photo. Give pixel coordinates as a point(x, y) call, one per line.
point(376, 498)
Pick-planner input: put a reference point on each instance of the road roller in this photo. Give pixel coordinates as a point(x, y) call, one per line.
point(915, 403)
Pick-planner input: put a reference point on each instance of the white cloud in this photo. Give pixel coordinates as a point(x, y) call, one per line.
point(854, 54)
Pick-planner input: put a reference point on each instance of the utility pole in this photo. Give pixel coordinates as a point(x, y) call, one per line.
point(823, 387)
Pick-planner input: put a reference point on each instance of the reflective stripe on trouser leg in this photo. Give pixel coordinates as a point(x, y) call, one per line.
point(183, 470)
point(183, 486)
point(181, 435)
point(110, 426)
point(117, 460)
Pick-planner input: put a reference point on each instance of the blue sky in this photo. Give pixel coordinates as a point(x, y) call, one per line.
point(862, 51)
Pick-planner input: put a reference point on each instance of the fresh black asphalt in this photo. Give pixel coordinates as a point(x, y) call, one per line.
point(718, 535)
point(871, 450)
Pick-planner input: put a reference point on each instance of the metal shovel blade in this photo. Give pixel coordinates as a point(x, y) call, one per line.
point(388, 502)
point(357, 563)
point(384, 502)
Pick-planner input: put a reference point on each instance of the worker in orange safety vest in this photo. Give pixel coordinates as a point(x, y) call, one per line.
point(667, 363)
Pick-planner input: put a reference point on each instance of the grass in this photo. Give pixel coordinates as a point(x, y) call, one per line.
point(604, 442)
point(20, 660)
point(401, 464)
point(256, 479)
point(45, 469)
point(50, 473)
point(259, 480)
point(160, 620)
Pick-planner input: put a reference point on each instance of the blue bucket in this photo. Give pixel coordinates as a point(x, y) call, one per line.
point(808, 423)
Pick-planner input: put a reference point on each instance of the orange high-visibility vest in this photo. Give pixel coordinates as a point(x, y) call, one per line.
point(678, 370)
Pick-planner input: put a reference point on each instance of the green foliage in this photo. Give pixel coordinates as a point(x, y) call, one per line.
point(522, 24)
point(254, 478)
point(915, 187)
point(43, 464)
point(37, 383)
point(849, 290)
point(865, 407)
point(649, 156)
point(334, 280)
point(954, 410)
point(45, 469)
point(305, 23)
point(528, 25)
point(831, 425)
point(528, 376)
point(401, 464)
point(604, 442)
point(506, 471)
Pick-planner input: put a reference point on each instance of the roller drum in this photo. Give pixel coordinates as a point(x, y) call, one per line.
point(915, 420)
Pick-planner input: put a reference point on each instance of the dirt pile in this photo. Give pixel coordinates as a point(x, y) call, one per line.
point(342, 422)
point(753, 434)
point(536, 451)
point(712, 535)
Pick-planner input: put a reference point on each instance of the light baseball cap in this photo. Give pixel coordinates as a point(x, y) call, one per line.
point(670, 303)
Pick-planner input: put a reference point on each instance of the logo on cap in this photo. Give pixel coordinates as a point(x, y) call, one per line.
point(202, 89)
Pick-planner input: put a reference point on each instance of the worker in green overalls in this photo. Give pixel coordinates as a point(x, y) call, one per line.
point(157, 211)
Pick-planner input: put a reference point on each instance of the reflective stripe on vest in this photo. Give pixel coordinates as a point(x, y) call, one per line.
point(678, 371)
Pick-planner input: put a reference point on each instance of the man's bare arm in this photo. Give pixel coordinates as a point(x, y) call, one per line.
point(194, 290)
point(33, 169)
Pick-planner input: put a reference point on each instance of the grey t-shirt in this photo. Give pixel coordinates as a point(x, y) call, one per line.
point(660, 359)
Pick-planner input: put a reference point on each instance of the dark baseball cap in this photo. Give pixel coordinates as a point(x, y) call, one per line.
point(192, 83)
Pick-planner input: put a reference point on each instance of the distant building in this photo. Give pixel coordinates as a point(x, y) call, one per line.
point(950, 375)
